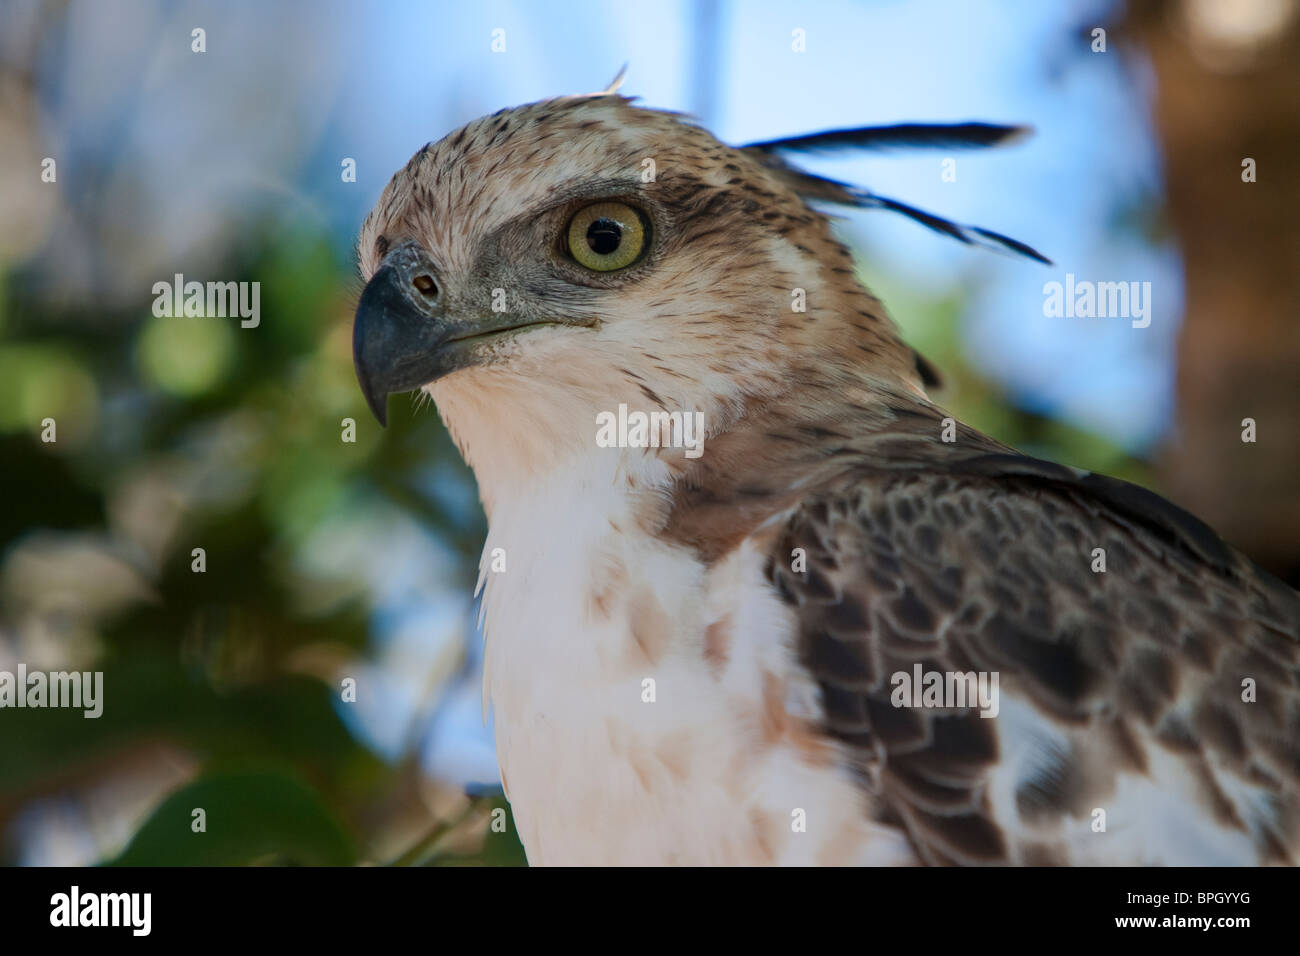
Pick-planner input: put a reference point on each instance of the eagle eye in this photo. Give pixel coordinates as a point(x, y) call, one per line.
point(606, 236)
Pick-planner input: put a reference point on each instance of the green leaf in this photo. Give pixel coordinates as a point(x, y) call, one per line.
point(503, 849)
point(498, 849)
point(251, 817)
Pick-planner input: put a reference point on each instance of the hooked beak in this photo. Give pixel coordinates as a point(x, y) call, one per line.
point(396, 339)
point(404, 336)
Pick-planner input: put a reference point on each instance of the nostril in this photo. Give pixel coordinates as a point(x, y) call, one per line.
point(425, 285)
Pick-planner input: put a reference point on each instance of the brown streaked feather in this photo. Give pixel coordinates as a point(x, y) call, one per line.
point(966, 558)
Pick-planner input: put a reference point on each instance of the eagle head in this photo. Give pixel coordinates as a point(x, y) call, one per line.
point(548, 263)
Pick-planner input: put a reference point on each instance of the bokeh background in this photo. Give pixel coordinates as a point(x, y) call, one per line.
point(328, 560)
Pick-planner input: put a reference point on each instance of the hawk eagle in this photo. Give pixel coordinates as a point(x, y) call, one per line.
point(834, 634)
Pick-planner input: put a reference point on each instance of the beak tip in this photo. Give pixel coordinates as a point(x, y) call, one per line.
point(378, 406)
point(376, 398)
point(395, 345)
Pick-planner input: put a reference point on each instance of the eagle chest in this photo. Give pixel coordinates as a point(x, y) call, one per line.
point(653, 717)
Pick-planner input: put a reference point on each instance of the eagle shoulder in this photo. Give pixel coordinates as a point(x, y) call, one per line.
point(1169, 679)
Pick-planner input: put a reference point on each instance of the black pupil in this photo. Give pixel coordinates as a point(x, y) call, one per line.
point(604, 235)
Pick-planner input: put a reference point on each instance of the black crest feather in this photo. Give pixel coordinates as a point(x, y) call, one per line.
point(899, 136)
point(912, 135)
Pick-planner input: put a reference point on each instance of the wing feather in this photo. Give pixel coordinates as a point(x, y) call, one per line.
point(1120, 690)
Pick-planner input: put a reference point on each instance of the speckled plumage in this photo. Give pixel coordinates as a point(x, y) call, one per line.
point(1121, 691)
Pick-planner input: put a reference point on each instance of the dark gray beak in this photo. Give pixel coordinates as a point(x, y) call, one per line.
point(400, 336)
point(406, 334)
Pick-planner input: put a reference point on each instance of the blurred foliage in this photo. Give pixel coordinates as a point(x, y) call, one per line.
point(255, 817)
point(176, 433)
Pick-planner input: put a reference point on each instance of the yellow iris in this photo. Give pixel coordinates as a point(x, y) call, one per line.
point(606, 236)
